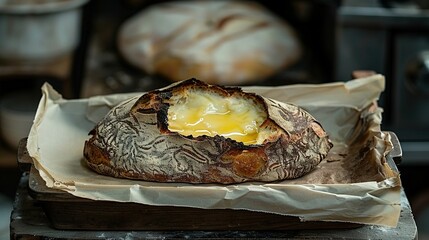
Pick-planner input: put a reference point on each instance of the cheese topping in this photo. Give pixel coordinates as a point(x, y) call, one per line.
point(201, 113)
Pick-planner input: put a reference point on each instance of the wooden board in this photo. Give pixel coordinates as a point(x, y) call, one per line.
point(69, 212)
point(29, 221)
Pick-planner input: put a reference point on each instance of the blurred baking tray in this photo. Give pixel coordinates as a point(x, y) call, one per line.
point(66, 211)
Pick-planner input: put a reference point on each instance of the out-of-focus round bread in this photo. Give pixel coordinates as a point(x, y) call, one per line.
point(220, 42)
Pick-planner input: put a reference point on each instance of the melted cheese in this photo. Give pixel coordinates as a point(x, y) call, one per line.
point(200, 113)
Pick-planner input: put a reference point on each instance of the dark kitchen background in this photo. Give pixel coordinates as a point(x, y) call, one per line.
point(338, 37)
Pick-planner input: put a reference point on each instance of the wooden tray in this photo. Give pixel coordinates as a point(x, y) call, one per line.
point(66, 211)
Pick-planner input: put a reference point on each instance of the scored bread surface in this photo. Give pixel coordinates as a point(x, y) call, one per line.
point(134, 141)
point(222, 42)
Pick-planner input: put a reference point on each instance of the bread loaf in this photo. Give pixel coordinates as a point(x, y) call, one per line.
point(222, 42)
point(198, 133)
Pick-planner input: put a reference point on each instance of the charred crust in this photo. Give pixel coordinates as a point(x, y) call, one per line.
point(165, 94)
point(153, 102)
point(162, 119)
point(92, 132)
point(148, 103)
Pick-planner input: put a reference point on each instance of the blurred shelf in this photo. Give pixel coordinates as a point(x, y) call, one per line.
point(59, 67)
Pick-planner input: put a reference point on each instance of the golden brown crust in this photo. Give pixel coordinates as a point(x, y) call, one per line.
point(133, 141)
point(97, 155)
point(246, 163)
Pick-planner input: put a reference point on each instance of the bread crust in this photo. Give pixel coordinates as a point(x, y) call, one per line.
point(133, 141)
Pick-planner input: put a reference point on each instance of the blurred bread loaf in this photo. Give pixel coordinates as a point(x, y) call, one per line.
point(220, 42)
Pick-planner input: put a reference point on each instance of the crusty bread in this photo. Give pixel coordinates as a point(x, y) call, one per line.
point(222, 42)
point(135, 140)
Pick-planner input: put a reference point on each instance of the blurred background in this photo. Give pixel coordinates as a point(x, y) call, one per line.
point(73, 45)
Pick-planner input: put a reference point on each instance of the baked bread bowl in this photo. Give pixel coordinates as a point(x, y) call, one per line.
point(222, 42)
point(194, 132)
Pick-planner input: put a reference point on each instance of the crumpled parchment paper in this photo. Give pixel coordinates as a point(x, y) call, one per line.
point(353, 184)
